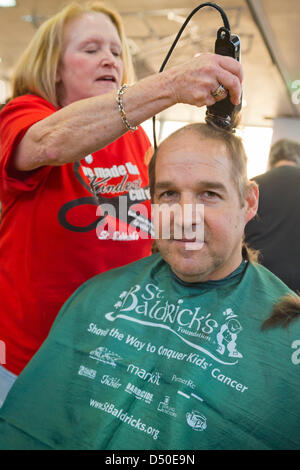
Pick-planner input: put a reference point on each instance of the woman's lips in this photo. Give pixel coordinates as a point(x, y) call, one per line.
point(106, 78)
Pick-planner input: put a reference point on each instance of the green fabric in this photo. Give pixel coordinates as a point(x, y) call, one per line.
point(138, 360)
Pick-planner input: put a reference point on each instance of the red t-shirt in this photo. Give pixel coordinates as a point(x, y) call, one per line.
point(54, 235)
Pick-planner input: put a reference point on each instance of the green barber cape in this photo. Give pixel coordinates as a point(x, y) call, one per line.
point(138, 359)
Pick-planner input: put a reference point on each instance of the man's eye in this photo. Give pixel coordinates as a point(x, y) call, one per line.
point(209, 195)
point(167, 194)
point(91, 51)
point(116, 53)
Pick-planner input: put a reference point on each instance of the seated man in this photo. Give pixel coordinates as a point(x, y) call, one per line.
point(169, 352)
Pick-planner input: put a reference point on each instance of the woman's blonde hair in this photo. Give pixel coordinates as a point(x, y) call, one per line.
point(37, 68)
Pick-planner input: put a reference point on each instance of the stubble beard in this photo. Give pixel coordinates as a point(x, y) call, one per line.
point(191, 266)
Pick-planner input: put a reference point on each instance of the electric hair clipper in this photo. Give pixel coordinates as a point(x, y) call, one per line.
point(223, 114)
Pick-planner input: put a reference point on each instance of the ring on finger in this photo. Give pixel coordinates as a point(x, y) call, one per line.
point(220, 91)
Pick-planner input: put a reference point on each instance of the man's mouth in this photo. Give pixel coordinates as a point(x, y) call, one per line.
point(184, 240)
point(189, 244)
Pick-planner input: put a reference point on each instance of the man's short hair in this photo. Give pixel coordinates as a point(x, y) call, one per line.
point(284, 149)
point(235, 148)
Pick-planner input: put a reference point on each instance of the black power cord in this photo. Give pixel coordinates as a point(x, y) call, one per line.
point(226, 25)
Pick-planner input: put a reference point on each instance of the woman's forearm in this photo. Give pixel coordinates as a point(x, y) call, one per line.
point(88, 125)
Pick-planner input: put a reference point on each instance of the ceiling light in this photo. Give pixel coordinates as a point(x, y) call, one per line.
point(7, 3)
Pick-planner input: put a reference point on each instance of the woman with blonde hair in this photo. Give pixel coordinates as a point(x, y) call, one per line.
point(74, 184)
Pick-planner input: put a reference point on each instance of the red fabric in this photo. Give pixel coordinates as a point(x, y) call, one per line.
point(48, 244)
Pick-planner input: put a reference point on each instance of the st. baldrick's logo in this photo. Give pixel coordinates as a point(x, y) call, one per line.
point(151, 308)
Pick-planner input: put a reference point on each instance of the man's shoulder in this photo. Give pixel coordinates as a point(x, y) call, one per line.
point(101, 289)
point(279, 174)
point(263, 178)
point(141, 268)
point(264, 287)
point(263, 278)
point(269, 289)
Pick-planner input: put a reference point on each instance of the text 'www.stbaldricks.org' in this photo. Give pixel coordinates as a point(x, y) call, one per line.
point(125, 418)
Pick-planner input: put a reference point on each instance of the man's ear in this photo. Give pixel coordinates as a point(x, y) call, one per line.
point(252, 197)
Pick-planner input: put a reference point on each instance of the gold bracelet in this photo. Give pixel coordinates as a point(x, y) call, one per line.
point(120, 94)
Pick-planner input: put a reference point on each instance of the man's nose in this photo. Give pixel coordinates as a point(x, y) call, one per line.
point(192, 217)
point(188, 203)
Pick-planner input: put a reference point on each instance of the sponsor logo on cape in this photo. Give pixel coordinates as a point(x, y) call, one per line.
point(150, 307)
